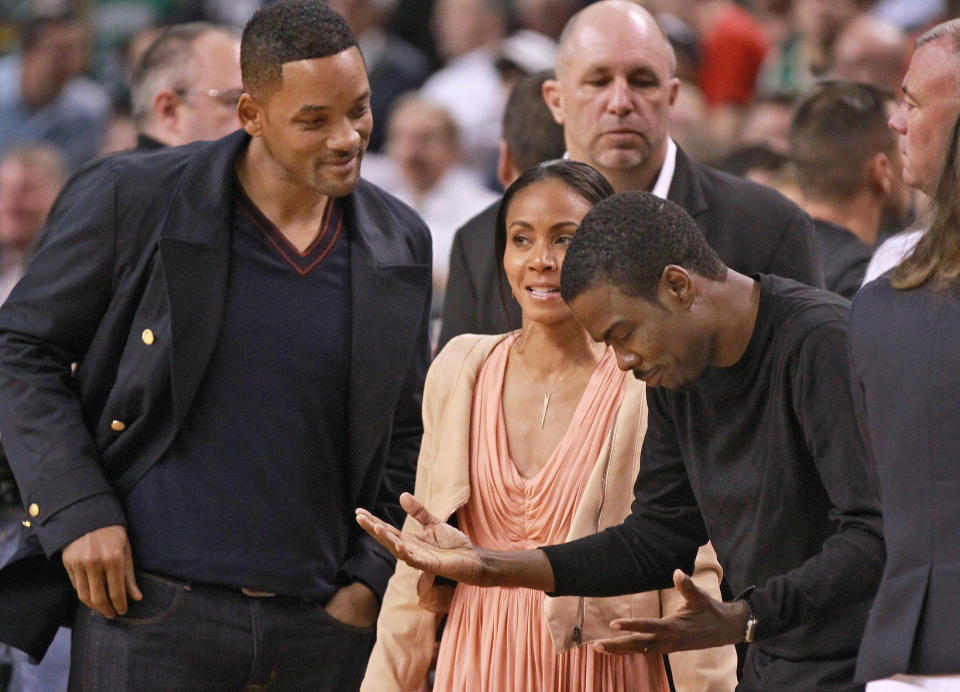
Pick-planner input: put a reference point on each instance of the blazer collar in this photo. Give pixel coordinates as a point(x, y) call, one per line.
point(685, 189)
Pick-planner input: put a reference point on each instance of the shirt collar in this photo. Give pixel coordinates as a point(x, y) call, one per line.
point(661, 188)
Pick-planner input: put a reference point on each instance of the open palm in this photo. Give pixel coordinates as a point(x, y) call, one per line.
point(440, 549)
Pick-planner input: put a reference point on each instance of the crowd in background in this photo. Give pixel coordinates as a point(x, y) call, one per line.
point(800, 96)
point(440, 72)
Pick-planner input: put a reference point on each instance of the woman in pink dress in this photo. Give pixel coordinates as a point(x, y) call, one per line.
point(531, 438)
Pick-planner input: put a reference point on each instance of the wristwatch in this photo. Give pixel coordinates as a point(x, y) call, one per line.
point(750, 631)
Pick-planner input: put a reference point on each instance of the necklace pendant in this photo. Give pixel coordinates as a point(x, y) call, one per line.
point(546, 403)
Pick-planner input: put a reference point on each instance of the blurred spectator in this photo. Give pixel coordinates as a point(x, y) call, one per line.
point(468, 33)
point(767, 122)
point(524, 52)
point(848, 166)
point(912, 15)
point(478, 299)
point(186, 85)
point(805, 53)
point(871, 50)
point(43, 95)
point(547, 17)
point(423, 146)
point(732, 45)
point(393, 65)
point(30, 178)
point(761, 164)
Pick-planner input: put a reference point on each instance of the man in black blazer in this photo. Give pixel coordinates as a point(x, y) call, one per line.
point(613, 97)
point(248, 324)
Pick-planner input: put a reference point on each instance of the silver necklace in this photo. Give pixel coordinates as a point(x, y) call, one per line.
point(547, 395)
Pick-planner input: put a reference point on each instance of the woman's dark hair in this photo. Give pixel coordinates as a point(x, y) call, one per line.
point(584, 180)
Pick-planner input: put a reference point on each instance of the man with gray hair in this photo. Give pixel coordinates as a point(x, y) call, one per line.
point(931, 100)
point(186, 85)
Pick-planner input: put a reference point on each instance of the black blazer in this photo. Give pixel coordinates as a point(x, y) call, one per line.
point(906, 381)
point(142, 241)
point(753, 228)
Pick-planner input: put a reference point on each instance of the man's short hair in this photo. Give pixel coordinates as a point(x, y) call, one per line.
point(627, 240)
point(836, 128)
point(41, 154)
point(949, 28)
point(531, 133)
point(32, 30)
point(164, 63)
point(287, 31)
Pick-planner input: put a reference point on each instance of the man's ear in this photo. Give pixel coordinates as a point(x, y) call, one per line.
point(553, 97)
point(165, 105)
point(880, 172)
point(506, 169)
point(251, 115)
point(676, 287)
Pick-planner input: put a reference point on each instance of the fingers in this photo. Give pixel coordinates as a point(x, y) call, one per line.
point(415, 509)
point(385, 534)
point(688, 588)
point(98, 599)
point(117, 588)
point(630, 644)
point(130, 582)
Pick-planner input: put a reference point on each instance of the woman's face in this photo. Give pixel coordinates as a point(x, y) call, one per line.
point(541, 221)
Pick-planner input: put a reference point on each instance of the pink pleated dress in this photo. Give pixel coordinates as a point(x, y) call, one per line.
point(496, 639)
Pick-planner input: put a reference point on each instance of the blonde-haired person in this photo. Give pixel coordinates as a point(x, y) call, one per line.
point(532, 438)
point(906, 364)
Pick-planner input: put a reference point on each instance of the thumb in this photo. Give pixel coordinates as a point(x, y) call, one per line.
point(692, 593)
point(415, 509)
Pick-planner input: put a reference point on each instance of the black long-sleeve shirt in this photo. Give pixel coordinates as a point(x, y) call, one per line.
point(765, 459)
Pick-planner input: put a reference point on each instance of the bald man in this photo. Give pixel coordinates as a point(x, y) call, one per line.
point(613, 93)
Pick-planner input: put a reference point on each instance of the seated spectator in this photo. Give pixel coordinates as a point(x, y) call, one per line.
point(393, 65)
point(186, 85)
point(30, 179)
point(423, 145)
point(871, 50)
point(848, 166)
point(467, 34)
point(761, 164)
point(44, 95)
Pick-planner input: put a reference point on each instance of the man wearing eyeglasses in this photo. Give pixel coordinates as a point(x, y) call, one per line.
point(186, 85)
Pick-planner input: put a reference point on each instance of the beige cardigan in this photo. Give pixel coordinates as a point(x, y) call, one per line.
point(406, 632)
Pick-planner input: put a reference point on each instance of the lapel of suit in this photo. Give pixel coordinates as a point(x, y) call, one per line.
point(686, 191)
point(195, 253)
point(389, 293)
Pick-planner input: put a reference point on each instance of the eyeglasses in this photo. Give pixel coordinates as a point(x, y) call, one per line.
point(227, 97)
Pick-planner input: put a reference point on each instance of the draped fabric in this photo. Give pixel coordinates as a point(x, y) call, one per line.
point(496, 639)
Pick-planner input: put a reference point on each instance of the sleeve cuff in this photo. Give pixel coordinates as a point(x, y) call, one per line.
point(370, 564)
point(89, 514)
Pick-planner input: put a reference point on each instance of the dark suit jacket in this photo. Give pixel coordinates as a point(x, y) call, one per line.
point(754, 229)
point(906, 382)
point(142, 241)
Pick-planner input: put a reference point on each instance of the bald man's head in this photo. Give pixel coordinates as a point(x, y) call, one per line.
point(614, 89)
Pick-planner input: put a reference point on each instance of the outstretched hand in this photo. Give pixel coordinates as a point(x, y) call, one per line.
point(702, 623)
point(440, 549)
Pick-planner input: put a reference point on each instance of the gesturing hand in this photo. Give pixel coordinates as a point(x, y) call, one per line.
point(440, 549)
point(100, 567)
point(701, 624)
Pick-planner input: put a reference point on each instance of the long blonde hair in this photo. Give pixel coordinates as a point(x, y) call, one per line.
point(936, 257)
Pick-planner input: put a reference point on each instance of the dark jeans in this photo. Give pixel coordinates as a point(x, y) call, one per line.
point(184, 637)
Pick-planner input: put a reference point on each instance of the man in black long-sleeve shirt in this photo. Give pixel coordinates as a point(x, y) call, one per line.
point(752, 443)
